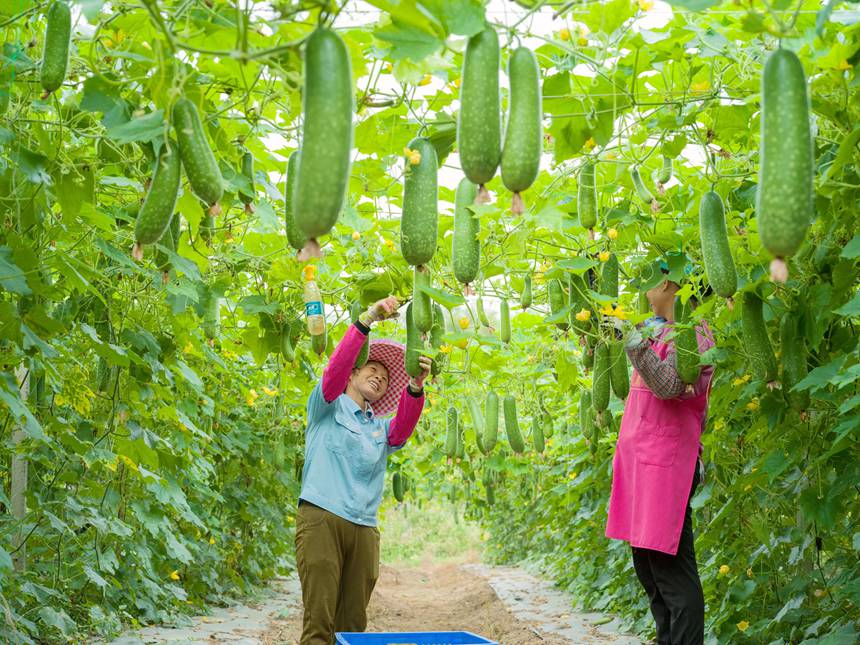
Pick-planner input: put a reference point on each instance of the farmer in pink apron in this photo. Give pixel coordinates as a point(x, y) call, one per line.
point(347, 443)
point(656, 470)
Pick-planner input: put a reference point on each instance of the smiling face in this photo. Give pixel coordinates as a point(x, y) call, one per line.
point(371, 381)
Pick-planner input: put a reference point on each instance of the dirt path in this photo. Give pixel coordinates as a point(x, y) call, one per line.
point(505, 604)
point(451, 597)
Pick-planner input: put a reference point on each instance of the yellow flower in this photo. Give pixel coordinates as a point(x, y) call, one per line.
point(724, 570)
point(251, 397)
point(309, 272)
point(620, 313)
point(701, 86)
point(843, 65)
point(746, 378)
point(356, 235)
point(463, 322)
point(646, 5)
point(753, 405)
point(590, 143)
point(446, 349)
point(269, 391)
point(174, 575)
point(607, 310)
point(612, 234)
point(603, 256)
point(211, 540)
point(426, 80)
point(572, 475)
point(564, 34)
point(387, 67)
point(719, 424)
point(413, 156)
point(738, 381)
point(750, 572)
point(463, 343)
point(582, 41)
point(458, 82)
point(743, 625)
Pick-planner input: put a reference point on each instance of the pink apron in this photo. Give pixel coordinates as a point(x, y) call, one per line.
point(655, 459)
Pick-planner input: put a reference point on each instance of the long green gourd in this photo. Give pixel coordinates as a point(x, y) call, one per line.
point(524, 130)
point(784, 201)
point(327, 135)
point(479, 125)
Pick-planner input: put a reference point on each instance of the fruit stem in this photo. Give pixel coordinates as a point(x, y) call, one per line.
point(137, 251)
point(483, 196)
point(310, 250)
point(779, 270)
point(517, 206)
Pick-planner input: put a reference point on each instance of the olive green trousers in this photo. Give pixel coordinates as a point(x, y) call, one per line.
point(338, 564)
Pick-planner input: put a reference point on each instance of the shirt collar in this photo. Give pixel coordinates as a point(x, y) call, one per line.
point(354, 409)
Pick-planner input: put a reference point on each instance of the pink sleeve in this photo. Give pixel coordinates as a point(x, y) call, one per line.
point(404, 422)
point(336, 374)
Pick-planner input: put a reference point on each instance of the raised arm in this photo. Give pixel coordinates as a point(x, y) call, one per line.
point(661, 376)
point(409, 409)
point(336, 373)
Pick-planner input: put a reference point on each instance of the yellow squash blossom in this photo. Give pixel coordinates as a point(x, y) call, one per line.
point(356, 235)
point(612, 234)
point(603, 256)
point(174, 575)
point(724, 570)
point(743, 625)
point(463, 322)
point(413, 156)
point(564, 34)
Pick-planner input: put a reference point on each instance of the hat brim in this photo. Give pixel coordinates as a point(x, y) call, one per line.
point(393, 355)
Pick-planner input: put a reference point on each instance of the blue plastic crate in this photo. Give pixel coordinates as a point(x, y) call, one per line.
point(413, 638)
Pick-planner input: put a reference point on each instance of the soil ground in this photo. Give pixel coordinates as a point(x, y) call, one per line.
point(449, 597)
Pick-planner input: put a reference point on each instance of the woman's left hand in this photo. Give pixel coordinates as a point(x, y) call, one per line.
point(425, 362)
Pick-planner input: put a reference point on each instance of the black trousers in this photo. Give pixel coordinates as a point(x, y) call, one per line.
point(673, 586)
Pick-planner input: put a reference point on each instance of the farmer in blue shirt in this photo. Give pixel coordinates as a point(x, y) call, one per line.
point(347, 443)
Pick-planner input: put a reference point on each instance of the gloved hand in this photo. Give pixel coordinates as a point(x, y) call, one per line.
point(381, 310)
